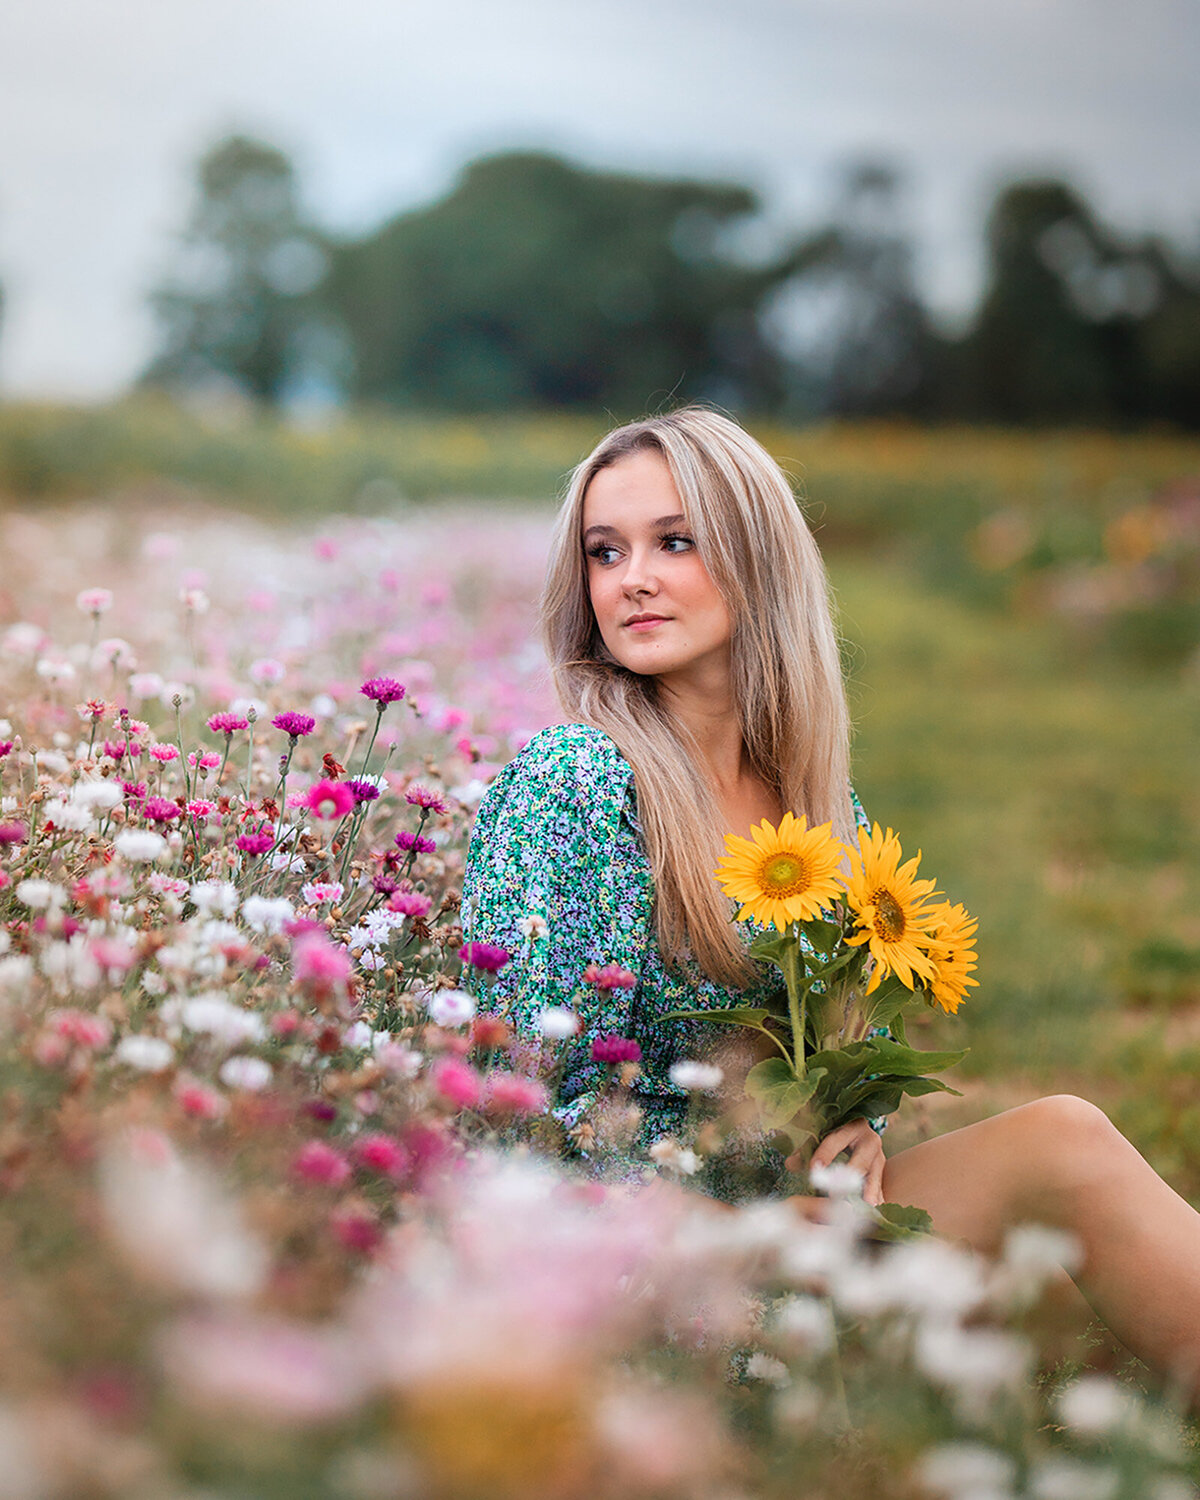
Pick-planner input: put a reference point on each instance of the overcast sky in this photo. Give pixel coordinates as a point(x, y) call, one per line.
point(105, 105)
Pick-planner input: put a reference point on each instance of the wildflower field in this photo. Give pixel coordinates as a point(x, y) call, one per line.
point(286, 1212)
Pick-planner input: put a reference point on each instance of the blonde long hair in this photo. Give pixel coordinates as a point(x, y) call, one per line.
point(787, 679)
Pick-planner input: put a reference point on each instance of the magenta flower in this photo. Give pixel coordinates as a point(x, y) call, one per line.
point(227, 723)
point(295, 725)
point(160, 810)
point(363, 791)
point(200, 807)
point(384, 885)
point(13, 833)
point(134, 791)
point(423, 796)
point(609, 977)
point(487, 956)
point(380, 1153)
point(330, 799)
point(256, 842)
point(317, 1162)
point(615, 1049)
point(417, 841)
point(383, 690)
point(164, 752)
point(5, 747)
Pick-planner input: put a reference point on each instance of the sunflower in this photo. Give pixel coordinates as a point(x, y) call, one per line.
point(783, 874)
point(952, 949)
point(892, 908)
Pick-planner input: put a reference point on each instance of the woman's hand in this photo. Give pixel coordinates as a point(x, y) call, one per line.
point(866, 1156)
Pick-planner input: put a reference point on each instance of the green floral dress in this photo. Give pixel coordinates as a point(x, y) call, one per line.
point(557, 837)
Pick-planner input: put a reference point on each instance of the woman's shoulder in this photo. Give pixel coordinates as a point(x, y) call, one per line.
point(569, 755)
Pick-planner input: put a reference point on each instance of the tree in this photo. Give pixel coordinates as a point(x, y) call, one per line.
point(239, 306)
point(848, 315)
point(536, 282)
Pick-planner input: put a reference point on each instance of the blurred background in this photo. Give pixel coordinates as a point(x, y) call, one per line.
point(944, 258)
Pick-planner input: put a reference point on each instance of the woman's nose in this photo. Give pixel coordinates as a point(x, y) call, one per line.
point(639, 577)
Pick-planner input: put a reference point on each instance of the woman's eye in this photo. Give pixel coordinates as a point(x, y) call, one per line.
point(685, 542)
point(601, 553)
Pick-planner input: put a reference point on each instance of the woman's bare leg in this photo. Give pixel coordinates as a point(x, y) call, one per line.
point(1061, 1161)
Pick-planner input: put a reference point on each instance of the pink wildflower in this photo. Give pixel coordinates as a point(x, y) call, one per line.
point(207, 759)
point(487, 956)
point(615, 1049)
point(81, 1027)
point(94, 709)
point(330, 799)
point(383, 690)
point(362, 791)
point(411, 903)
point(267, 672)
point(426, 797)
point(94, 602)
point(198, 807)
point(380, 1153)
point(318, 892)
point(510, 1094)
point(200, 1101)
point(163, 752)
point(609, 977)
point(317, 1162)
point(5, 747)
point(457, 1083)
point(227, 723)
point(5, 879)
point(356, 1230)
point(113, 955)
point(321, 970)
point(13, 833)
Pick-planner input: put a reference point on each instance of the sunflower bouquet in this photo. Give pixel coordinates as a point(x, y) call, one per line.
point(859, 940)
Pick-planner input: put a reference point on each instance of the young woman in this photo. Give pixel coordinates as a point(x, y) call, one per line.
point(687, 622)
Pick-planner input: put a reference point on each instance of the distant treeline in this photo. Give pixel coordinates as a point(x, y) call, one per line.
point(536, 283)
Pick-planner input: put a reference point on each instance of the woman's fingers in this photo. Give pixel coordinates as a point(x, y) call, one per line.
point(867, 1157)
point(836, 1142)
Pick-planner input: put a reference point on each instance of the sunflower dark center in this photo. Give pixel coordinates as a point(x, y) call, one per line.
point(889, 916)
point(785, 875)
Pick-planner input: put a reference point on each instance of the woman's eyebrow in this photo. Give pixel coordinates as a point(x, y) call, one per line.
point(660, 525)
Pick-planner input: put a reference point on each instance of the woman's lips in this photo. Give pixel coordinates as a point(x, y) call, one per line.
point(641, 625)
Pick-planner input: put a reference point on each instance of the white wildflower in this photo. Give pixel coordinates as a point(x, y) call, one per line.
point(767, 1368)
point(145, 685)
point(176, 1221)
point(71, 817)
point(153, 982)
point(40, 895)
point(838, 1180)
point(55, 670)
point(974, 1363)
point(99, 793)
point(292, 863)
point(5, 941)
point(267, 914)
point(451, 1008)
point(250, 1073)
point(212, 1015)
point(1037, 1251)
point(140, 846)
point(469, 793)
point(214, 898)
point(934, 1277)
point(1095, 1404)
point(668, 1153)
point(370, 960)
point(556, 1023)
point(148, 1054)
point(94, 601)
point(804, 1324)
point(1071, 1479)
point(114, 652)
point(696, 1077)
point(24, 639)
point(397, 1059)
point(69, 966)
point(967, 1471)
point(194, 600)
point(16, 970)
point(797, 1406)
point(358, 1036)
point(533, 926)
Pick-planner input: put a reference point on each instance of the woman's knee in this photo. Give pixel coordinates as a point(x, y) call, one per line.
point(1068, 1141)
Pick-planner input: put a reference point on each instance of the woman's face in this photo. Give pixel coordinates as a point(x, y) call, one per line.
point(659, 612)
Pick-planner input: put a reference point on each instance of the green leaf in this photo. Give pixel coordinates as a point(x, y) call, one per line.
point(779, 1093)
point(902, 1221)
point(770, 949)
point(822, 935)
point(735, 1015)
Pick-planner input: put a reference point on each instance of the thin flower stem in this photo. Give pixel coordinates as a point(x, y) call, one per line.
point(797, 1001)
point(378, 720)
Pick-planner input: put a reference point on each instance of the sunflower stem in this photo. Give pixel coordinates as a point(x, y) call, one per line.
point(797, 1000)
